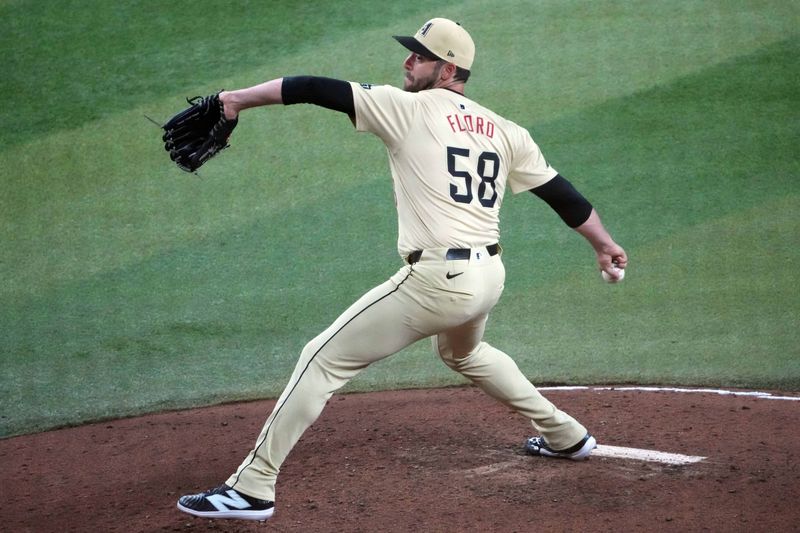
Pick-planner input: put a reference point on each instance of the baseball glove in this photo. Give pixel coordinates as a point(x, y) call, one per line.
point(197, 133)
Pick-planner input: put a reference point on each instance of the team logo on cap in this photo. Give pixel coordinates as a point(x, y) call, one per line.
point(425, 29)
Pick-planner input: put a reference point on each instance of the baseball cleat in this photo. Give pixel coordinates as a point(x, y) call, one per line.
point(579, 452)
point(224, 502)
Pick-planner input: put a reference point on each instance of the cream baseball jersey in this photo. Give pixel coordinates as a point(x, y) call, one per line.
point(451, 161)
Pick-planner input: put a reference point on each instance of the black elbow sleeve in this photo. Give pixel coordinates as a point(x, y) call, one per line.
point(326, 92)
point(565, 200)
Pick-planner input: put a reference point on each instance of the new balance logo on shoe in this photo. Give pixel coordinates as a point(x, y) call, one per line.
point(225, 502)
point(231, 499)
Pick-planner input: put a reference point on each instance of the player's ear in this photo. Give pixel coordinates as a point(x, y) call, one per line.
point(448, 72)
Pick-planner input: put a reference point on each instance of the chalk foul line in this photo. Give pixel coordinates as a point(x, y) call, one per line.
point(753, 394)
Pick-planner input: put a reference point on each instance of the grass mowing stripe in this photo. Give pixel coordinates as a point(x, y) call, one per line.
point(86, 221)
point(98, 58)
point(676, 155)
point(182, 324)
point(89, 59)
point(703, 146)
point(551, 58)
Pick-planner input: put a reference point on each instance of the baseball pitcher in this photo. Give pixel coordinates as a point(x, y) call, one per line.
point(452, 162)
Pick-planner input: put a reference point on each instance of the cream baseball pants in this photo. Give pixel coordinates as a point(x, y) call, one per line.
point(447, 300)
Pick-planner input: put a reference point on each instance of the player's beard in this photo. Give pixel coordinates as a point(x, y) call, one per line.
point(415, 85)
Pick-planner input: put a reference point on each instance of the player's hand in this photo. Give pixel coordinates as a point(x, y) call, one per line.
point(610, 257)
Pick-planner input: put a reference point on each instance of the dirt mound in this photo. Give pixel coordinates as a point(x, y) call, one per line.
point(423, 460)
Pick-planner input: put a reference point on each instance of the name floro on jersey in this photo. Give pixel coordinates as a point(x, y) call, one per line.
point(472, 124)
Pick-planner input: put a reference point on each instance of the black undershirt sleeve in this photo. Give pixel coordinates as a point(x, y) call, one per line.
point(326, 92)
point(565, 200)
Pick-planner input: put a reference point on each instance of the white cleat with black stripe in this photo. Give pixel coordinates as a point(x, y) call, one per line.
point(224, 502)
point(578, 452)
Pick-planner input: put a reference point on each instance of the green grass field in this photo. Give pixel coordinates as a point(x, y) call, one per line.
point(130, 286)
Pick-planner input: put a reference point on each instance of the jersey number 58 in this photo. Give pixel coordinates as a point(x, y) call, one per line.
point(487, 169)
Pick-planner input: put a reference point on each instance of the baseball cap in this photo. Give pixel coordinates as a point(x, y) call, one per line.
point(444, 39)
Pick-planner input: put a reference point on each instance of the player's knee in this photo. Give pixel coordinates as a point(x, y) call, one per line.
point(308, 349)
point(311, 351)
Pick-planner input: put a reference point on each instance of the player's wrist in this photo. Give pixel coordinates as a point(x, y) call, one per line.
point(229, 104)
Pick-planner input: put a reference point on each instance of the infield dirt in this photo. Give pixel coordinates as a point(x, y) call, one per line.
point(423, 460)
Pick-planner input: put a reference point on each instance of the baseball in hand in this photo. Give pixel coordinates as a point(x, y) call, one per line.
point(609, 279)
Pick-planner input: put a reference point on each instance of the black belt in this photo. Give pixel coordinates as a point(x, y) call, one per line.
point(453, 253)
